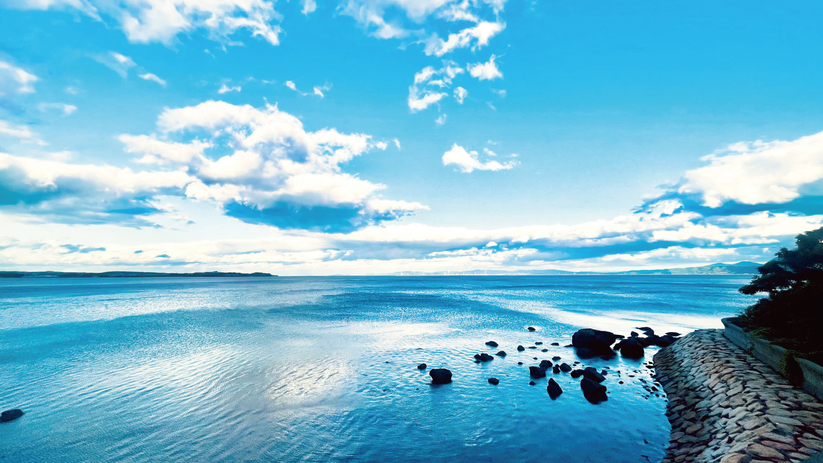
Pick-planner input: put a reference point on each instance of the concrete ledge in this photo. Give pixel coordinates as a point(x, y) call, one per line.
point(776, 357)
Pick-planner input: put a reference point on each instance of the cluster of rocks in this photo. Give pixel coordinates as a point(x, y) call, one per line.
point(726, 406)
point(588, 343)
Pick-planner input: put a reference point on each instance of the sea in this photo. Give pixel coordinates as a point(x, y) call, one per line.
point(325, 369)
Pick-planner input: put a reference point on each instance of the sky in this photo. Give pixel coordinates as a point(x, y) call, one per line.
point(311, 137)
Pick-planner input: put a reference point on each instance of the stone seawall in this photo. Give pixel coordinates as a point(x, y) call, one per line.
point(726, 406)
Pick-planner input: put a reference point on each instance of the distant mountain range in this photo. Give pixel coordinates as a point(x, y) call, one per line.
point(127, 274)
point(740, 268)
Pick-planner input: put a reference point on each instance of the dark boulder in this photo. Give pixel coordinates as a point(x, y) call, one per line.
point(11, 415)
point(532, 383)
point(545, 364)
point(484, 357)
point(673, 334)
point(593, 391)
point(634, 334)
point(565, 368)
point(520, 348)
point(556, 357)
point(537, 372)
point(491, 343)
point(666, 340)
point(422, 366)
point(553, 389)
point(593, 375)
point(494, 381)
point(520, 363)
point(538, 343)
point(502, 353)
point(595, 342)
point(646, 330)
point(440, 376)
point(556, 369)
point(532, 347)
point(544, 350)
point(577, 373)
point(630, 348)
point(531, 328)
point(555, 343)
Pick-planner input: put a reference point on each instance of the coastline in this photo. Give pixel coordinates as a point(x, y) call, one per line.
point(726, 406)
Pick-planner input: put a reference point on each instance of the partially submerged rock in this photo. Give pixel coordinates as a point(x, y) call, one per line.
point(592, 374)
point(545, 364)
point(422, 366)
point(553, 389)
point(494, 381)
point(537, 372)
point(531, 328)
point(440, 376)
point(593, 391)
point(630, 348)
point(11, 415)
point(491, 343)
point(502, 353)
point(520, 348)
point(565, 368)
point(483, 357)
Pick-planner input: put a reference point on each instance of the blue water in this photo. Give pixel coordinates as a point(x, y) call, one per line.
point(324, 369)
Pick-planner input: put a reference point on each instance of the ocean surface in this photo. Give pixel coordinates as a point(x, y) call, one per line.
point(325, 369)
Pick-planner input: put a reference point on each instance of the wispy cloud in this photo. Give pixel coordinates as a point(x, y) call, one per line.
point(468, 161)
point(153, 78)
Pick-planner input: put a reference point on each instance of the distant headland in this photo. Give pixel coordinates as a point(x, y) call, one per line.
point(128, 274)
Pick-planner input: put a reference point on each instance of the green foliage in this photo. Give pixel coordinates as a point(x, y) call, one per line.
point(793, 310)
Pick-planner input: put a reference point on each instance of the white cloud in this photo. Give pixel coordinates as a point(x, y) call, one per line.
point(291, 85)
point(309, 6)
point(460, 94)
point(758, 172)
point(318, 92)
point(467, 161)
point(146, 21)
point(14, 80)
point(153, 78)
point(485, 71)
point(226, 89)
point(418, 102)
point(16, 131)
point(440, 120)
point(396, 143)
point(64, 108)
point(117, 62)
point(477, 37)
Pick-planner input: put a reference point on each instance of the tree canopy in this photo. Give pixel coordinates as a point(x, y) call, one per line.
point(792, 313)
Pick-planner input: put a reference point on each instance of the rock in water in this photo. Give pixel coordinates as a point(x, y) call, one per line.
point(594, 392)
point(491, 343)
point(555, 343)
point(494, 381)
point(556, 358)
point(554, 389)
point(545, 364)
point(565, 368)
point(591, 343)
point(673, 334)
point(556, 369)
point(537, 372)
point(532, 383)
point(11, 415)
point(422, 366)
point(531, 328)
point(440, 376)
point(593, 375)
point(538, 343)
point(502, 353)
point(630, 348)
point(484, 357)
point(577, 373)
point(520, 348)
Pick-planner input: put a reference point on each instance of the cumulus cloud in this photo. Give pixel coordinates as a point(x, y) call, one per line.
point(226, 89)
point(460, 94)
point(309, 6)
point(477, 37)
point(64, 108)
point(427, 84)
point(486, 71)
point(153, 78)
point(162, 20)
point(468, 161)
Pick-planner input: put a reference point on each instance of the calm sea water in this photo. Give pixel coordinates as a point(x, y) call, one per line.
point(324, 369)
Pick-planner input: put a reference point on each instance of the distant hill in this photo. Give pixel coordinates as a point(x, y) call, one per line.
point(128, 274)
point(740, 268)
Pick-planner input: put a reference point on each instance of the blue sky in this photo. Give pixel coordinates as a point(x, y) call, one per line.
point(379, 136)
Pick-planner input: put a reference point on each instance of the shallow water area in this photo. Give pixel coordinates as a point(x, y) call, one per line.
point(325, 369)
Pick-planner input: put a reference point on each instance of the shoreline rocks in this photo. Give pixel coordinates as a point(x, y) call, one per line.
point(440, 375)
point(726, 406)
